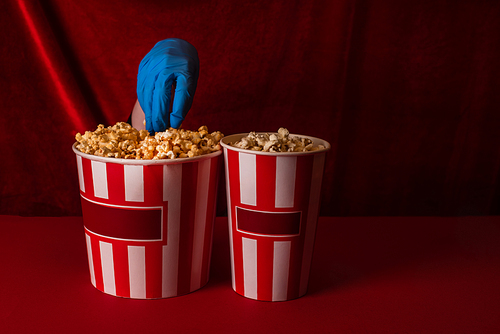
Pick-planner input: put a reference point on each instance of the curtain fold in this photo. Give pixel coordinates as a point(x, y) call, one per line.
point(58, 74)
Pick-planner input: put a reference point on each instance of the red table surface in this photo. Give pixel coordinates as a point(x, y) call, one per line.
point(368, 275)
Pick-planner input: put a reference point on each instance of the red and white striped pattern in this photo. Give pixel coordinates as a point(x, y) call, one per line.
point(183, 195)
point(272, 266)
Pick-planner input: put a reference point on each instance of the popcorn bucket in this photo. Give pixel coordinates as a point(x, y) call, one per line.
point(148, 223)
point(273, 203)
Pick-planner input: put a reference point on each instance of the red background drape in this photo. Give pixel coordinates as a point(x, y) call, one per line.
point(407, 92)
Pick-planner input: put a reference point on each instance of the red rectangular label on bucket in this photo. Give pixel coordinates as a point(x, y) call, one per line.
point(130, 223)
point(268, 223)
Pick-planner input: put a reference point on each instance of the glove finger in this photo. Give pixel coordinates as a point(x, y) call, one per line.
point(183, 99)
point(162, 95)
point(145, 89)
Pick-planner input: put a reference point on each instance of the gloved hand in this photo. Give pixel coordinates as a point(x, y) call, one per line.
point(171, 62)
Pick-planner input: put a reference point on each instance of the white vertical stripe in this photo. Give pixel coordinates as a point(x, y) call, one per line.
point(229, 220)
point(137, 271)
point(281, 267)
point(91, 259)
point(200, 219)
point(285, 181)
point(99, 179)
point(172, 178)
point(248, 178)
point(108, 267)
point(250, 267)
point(172, 190)
point(134, 183)
point(80, 173)
point(312, 218)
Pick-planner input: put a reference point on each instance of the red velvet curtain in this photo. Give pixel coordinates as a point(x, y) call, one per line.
point(407, 92)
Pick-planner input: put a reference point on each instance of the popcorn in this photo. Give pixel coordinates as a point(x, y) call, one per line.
point(276, 142)
point(123, 141)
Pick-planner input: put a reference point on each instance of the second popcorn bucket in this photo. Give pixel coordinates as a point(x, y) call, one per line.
point(148, 223)
point(273, 206)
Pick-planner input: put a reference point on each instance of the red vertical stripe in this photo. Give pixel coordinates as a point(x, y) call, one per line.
point(188, 207)
point(153, 270)
point(233, 171)
point(296, 250)
point(153, 193)
point(303, 183)
point(87, 178)
point(302, 193)
point(153, 185)
point(96, 256)
point(230, 217)
point(265, 251)
point(266, 182)
point(120, 261)
point(116, 183)
point(215, 166)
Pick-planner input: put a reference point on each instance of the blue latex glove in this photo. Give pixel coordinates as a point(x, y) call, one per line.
point(171, 62)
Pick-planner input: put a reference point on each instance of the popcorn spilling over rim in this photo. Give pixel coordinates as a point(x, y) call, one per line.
point(126, 142)
point(276, 142)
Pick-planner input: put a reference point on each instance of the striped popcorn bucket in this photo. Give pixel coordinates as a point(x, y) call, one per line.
point(273, 204)
point(148, 223)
